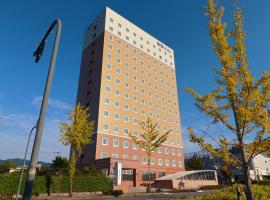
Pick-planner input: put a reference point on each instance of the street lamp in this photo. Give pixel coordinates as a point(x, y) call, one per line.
point(24, 161)
point(40, 125)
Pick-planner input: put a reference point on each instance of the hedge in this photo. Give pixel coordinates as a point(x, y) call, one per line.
point(9, 184)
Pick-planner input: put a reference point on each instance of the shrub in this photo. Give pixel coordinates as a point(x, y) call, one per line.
point(9, 184)
point(117, 193)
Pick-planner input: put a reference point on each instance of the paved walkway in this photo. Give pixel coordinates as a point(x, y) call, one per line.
point(138, 196)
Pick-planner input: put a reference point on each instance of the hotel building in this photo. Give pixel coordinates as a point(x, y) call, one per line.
point(126, 76)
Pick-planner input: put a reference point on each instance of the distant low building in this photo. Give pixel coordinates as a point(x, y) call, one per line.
point(259, 167)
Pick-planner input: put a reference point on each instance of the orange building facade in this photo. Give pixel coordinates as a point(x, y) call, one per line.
point(126, 76)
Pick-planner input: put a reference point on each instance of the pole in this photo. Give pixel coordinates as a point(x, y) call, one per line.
point(24, 161)
point(34, 157)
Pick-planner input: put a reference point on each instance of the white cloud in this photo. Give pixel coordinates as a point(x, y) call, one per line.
point(14, 132)
point(53, 103)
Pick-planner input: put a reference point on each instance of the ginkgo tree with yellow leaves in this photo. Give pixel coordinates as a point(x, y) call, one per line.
point(240, 103)
point(150, 140)
point(76, 133)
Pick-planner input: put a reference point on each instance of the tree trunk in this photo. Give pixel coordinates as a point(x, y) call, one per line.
point(71, 170)
point(247, 182)
point(149, 180)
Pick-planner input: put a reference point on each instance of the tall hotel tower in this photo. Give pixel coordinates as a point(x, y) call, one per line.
point(126, 76)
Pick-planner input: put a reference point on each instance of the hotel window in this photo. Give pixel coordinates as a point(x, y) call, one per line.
point(126, 84)
point(106, 114)
point(115, 143)
point(144, 160)
point(119, 42)
point(135, 133)
point(173, 163)
point(127, 38)
point(127, 30)
point(134, 42)
point(143, 101)
point(126, 95)
point(173, 152)
point(104, 141)
point(180, 163)
point(105, 127)
point(119, 33)
point(109, 57)
point(126, 118)
point(111, 28)
point(143, 112)
point(118, 60)
point(126, 107)
point(135, 158)
point(116, 129)
point(111, 37)
point(118, 70)
point(117, 92)
point(150, 104)
point(159, 150)
point(134, 34)
point(107, 101)
point(110, 46)
point(150, 94)
point(167, 163)
point(152, 161)
point(141, 46)
point(141, 63)
point(125, 144)
point(135, 121)
point(108, 89)
point(179, 152)
point(126, 55)
point(142, 81)
point(143, 149)
point(166, 151)
point(135, 68)
point(109, 66)
point(142, 72)
point(125, 157)
point(103, 155)
point(118, 51)
point(108, 77)
point(134, 51)
point(125, 130)
point(134, 78)
point(134, 59)
point(119, 25)
point(127, 74)
point(135, 110)
point(159, 161)
point(116, 116)
point(172, 140)
point(135, 88)
point(117, 104)
point(135, 98)
point(111, 20)
point(118, 81)
point(135, 146)
point(127, 47)
point(115, 155)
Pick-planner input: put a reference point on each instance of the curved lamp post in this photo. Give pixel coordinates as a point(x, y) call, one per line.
point(40, 125)
point(24, 161)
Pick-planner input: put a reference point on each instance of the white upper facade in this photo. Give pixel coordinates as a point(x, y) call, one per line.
point(114, 23)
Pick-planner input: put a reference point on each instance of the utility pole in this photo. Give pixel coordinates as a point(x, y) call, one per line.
point(35, 151)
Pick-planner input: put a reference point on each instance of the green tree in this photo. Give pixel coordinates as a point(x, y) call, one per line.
point(240, 102)
point(6, 166)
point(59, 164)
point(76, 133)
point(195, 163)
point(150, 140)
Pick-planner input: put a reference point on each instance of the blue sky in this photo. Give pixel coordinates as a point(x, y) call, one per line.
point(180, 24)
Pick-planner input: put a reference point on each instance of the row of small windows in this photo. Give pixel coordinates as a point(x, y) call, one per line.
point(166, 162)
point(115, 143)
point(135, 43)
point(119, 33)
point(134, 59)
